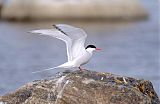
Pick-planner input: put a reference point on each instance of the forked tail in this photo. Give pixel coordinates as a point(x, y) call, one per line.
point(44, 70)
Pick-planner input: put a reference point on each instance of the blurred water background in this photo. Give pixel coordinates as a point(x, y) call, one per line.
point(128, 48)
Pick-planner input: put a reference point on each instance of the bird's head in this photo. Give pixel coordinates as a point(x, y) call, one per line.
point(91, 48)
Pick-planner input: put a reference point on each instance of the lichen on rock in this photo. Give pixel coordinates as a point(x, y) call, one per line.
point(84, 87)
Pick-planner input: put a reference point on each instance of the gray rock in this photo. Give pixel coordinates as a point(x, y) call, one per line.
point(73, 9)
point(84, 87)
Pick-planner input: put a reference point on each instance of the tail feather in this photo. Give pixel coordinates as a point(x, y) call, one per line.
point(44, 70)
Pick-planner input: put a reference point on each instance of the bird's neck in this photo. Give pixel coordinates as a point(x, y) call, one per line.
point(89, 51)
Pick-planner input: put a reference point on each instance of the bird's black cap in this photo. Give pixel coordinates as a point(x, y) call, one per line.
point(90, 46)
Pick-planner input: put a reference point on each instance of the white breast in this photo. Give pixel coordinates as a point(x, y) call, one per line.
point(83, 59)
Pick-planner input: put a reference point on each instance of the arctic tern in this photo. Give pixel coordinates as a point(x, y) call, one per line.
point(74, 38)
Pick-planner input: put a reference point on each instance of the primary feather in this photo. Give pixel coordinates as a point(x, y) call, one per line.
point(72, 36)
point(59, 35)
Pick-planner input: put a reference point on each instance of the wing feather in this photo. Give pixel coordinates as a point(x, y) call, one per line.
point(72, 36)
point(78, 37)
point(58, 35)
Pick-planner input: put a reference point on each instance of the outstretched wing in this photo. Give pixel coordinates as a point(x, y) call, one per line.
point(77, 36)
point(59, 35)
point(72, 36)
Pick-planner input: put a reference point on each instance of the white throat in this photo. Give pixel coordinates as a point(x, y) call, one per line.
point(90, 50)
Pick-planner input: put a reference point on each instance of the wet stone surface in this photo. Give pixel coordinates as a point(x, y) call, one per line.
point(84, 87)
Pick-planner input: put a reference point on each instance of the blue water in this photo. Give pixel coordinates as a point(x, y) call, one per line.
point(128, 48)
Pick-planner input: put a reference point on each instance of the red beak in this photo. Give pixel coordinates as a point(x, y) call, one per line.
point(98, 49)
